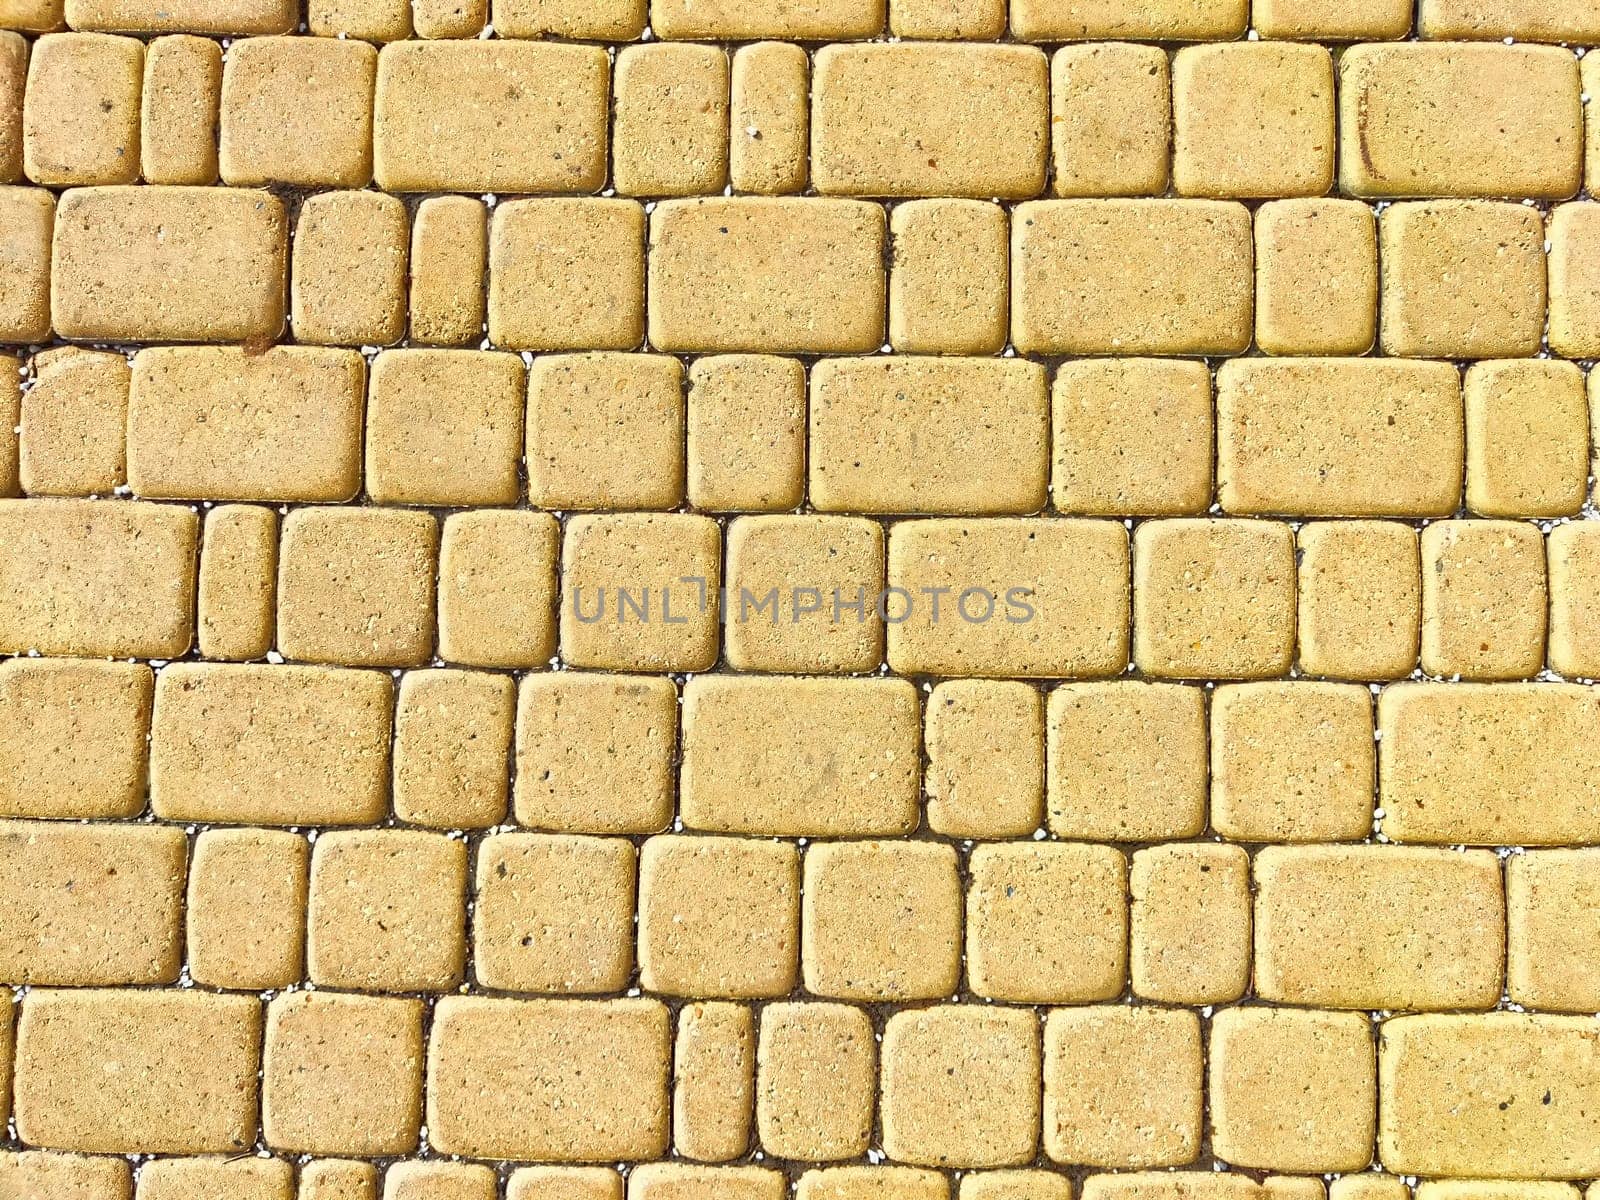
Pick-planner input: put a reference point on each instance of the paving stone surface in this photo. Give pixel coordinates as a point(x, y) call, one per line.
point(799, 600)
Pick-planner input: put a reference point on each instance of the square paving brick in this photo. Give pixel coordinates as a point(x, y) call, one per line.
point(881, 921)
point(718, 916)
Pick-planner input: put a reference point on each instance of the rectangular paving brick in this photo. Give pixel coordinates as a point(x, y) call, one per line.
point(746, 432)
point(769, 109)
point(1483, 600)
point(772, 626)
point(451, 738)
point(714, 1074)
point(800, 757)
point(685, 1181)
point(90, 905)
point(595, 752)
point(449, 253)
point(932, 435)
point(1316, 277)
point(1131, 277)
point(13, 87)
point(486, 115)
point(816, 1079)
point(270, 745)
point(74, 424)
point(552, 1080)
point(1015, 597)
point(1047, 923)
point(1126, 761)
point(1163, 20)
point(342, 1074)
point(773, 274)
point(1494, 1095)
point(1284, 147)
point(948, 277)
point(180, 110)
point(565, 273)
point(297, 111)
point(80, 116)
point(245, 919)
point(985, 745)
point(1360, 599)
point(1110, 119)
point(243, 1178)
point(1339, 437)
point(237, 589)
point(216, 422)
point(25, 289)
point(75, 742)
point(193, 16)
point(497, 588)
point(1524, 20)
point(881, 921)
point(131, 1071)
point(1190, 923)
point(45, 1173)
point(1122, 1086)
point(1291, 761)
point(553, 913)
point(1173, 1185)
point(1489, 764)
point(1325, 1121)
point(1451, 119)
point(169, 264)
point(95, 578)
point(919, 119)
point(670, 120)
point(1378, 927)
point(1550, 917)
point(718, 917)
point(744, 20)
point(386, 911)
point(1131, 435)
point(1461, 279)
point(961, 1086)
point(1527, 438)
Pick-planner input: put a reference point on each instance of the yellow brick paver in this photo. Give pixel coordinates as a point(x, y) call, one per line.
point(1370, 438)
point(714, 1082)
point(1452, 119)
point(1131, 277)
point(168, 264)
point(834, 599)
point(928, 119)
point(1378, 927)
point(470, 115)
point(1451, 1075)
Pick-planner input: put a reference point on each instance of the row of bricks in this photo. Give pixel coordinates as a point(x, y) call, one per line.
point(1369, 927)
point(1501, 1095)
point(883, 434)
point(1124, 761)
point(1459, 279)
point(593, 754)
point(64, 1176)
point(1246, 119)
point(49, 1175)
point(1045, 598)
point(826, 20)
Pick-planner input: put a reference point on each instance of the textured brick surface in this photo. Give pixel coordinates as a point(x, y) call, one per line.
point(846, 599)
